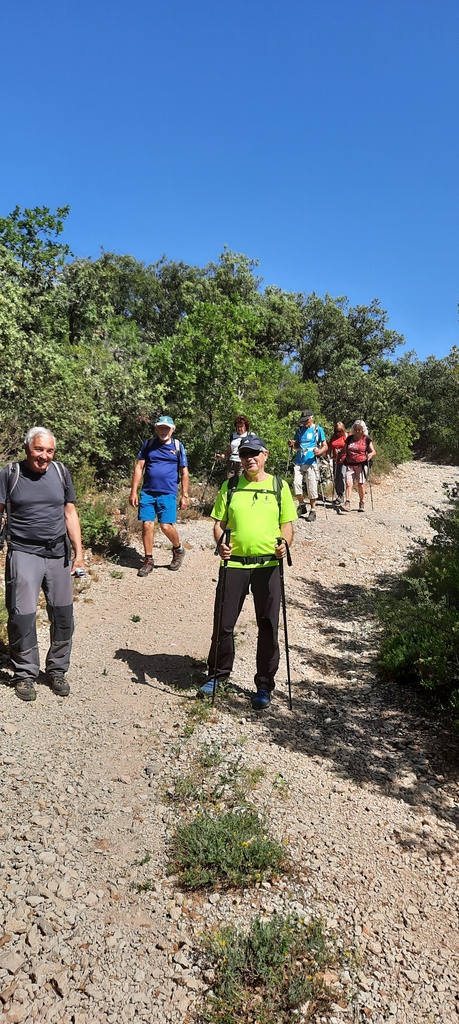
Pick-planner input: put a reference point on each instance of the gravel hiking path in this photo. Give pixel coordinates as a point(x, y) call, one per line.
point(361, 780)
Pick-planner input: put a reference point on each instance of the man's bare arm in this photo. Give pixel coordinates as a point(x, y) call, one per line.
point(72, 523)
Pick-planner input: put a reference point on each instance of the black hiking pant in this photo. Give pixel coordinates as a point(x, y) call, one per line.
point(264, 582)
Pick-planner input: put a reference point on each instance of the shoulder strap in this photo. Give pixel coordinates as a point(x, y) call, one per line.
point(13, 471)
point(232, 487)
point(177, 452)
point(278, 483)
point(60, 470)
point(150, 446)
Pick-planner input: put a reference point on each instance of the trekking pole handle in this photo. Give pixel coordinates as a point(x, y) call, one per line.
point(289, 557)
point(226, 536)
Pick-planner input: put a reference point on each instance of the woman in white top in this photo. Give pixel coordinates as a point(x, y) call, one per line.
point(231, 453)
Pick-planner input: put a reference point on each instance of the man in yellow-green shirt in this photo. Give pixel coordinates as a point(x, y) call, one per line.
point(258, 511)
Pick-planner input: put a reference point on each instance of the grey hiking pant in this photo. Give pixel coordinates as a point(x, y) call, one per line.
point(25, 576)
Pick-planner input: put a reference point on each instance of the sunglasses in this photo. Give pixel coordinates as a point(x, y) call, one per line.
point(249, 454)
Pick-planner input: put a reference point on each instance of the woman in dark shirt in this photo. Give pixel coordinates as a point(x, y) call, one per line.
point(337, 450)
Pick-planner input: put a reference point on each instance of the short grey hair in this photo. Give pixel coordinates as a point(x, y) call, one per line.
point(362, 424)
point(38, 432)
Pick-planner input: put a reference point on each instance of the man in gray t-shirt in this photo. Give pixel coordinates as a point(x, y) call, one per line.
point(41, 523)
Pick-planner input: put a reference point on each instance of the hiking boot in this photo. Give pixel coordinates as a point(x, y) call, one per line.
point(261, 700)
point(177, 558)
point(207, 689)
point(311, 518)
point(24, 688)
point(361, 506)
point(302, 509)
point(346, 507)
point(58, 683)
point(146, 567)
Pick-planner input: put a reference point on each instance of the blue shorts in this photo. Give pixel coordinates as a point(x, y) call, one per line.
point(163, 506)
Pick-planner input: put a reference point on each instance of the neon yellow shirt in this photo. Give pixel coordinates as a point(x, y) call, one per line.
point(254, 517)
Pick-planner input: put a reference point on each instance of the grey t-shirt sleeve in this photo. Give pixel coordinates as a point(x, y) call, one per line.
point(69, 490)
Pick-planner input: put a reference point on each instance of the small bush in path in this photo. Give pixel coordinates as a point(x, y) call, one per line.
point(231, 848)
point(280, 966)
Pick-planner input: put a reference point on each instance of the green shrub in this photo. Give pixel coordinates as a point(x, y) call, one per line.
point(267, 974)
point(420, 617)
point(394, 443)
point(84, 480)
point(96, 524)
point(97, 527)
point(230, 849)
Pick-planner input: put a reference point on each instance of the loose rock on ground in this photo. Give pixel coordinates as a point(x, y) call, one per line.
point(361, 780)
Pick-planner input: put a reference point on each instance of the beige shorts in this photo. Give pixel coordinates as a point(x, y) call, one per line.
point(305, 478)
point(356, 473)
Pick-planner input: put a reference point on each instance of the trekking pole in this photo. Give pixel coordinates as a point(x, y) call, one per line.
point(222, 584)
point(330, 477)
point(369, 481)
point(334, 466)
point(284, 613)
point(201, 500)
point(321, 488)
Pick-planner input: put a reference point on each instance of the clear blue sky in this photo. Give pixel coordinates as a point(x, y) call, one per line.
point(318, 136)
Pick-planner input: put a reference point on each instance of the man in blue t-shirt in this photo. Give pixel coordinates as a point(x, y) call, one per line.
point(163, 464)
point(310, 444)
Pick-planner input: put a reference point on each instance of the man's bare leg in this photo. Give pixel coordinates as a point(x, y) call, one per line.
point(178, 553)
point(148, 534)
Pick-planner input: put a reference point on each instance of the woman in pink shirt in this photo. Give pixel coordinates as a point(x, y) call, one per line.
point(359, 451)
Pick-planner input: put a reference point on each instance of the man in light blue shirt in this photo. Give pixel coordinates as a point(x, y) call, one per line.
point(310, 444)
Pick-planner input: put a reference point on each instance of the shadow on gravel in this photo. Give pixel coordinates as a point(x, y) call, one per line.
point(5, 676)
point(377, 734)
point(128, 557)
point(147, 669)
